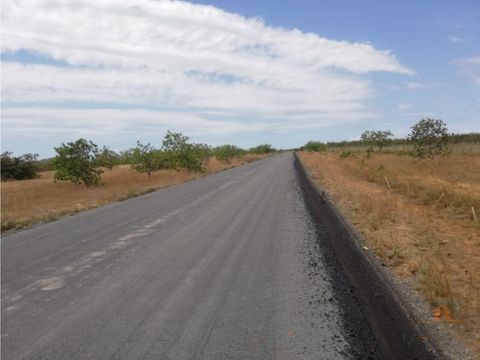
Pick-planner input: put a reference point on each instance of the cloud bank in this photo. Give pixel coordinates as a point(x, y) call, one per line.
point(177, 58)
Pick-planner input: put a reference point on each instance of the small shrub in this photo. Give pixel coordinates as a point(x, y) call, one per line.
point(129, 195)
point(345, 154)
point(396, 253)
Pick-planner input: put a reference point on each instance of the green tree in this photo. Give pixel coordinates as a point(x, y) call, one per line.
point(107, 158)
point(204, 153)
point(377, 138)
point(76, 162)
point(182, 154)
point(145, 158)
point(315, 146)
point(429, 138)
point(226, 153)
point(125, 157)
point(263, 149)
point(45, 164)
point(19, 167)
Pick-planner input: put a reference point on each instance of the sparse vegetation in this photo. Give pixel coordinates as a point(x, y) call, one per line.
point(45, 164)
point(417, 218)
point(429, 137)
point(29, 201)
point(378, 138)
point(226, 153)
point(107, 158)
point(345, 154)
point(204, 153)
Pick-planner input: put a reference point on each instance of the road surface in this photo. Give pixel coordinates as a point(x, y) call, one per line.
point(225, 267)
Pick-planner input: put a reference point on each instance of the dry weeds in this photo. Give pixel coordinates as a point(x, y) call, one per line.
point(30, 201)
point(420, 223)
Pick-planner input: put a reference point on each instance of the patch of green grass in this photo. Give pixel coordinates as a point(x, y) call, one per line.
point(345, 154)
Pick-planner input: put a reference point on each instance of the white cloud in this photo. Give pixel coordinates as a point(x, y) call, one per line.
point(404, 106)
point(83, 122)
point(41, 83)
point(74, 122)
point(414, 85)
point(194, 59)
point(469, 67)
point(455, 39)
point(176, 35)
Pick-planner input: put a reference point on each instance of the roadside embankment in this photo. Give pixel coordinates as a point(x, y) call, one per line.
point(416, 219)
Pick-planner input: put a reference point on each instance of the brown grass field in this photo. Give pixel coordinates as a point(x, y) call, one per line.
point(416, 216)
point(30, 201)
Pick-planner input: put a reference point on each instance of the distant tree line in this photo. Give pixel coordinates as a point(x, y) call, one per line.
point(83, 162)
point(428, 138)
point(19, 167)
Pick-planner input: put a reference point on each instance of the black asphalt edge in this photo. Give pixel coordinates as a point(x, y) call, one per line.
point(400, 334)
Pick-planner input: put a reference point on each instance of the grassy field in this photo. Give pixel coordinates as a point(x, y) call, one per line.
point(418, 217)
point(30, 201)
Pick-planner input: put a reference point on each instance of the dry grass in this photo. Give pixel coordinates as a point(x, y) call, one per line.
point(29, 201)
point(420, 223)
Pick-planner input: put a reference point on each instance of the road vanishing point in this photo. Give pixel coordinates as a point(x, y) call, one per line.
point(229, 266)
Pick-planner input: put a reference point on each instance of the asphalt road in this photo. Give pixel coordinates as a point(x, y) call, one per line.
point(225, 267)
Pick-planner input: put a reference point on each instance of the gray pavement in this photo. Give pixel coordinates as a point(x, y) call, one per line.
point(224, 267)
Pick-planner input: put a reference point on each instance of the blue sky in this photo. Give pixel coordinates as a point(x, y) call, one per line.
point(243, 72)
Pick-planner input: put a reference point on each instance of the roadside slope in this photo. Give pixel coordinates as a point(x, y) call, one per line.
point(385, 311)
point(416, 218)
